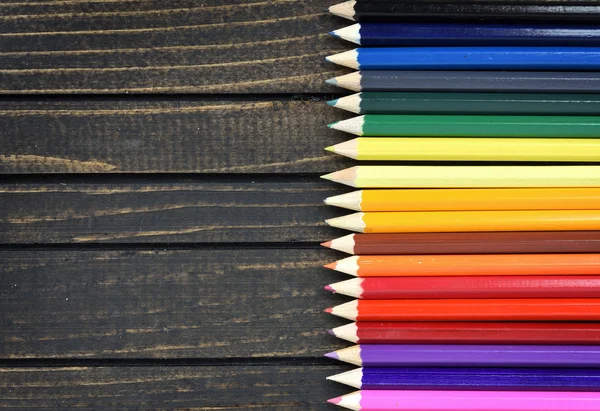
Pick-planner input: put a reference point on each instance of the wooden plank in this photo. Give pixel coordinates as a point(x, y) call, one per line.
point(152, 388)
point(215, 46)
point(204, 303)
point(202, 212)
point(183, 135)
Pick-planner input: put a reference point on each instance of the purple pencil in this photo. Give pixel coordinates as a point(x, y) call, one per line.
point(398, 355)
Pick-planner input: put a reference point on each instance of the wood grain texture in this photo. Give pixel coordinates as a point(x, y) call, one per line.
point(153, 388)
point(182, 135)
point(203, 212)
point(194, 46)
point(207, 303)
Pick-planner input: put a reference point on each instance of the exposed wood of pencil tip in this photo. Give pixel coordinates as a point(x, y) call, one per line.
point(350, 33)
point(350, 355)
point(348, 332)
point(347, 310)
point(352, 125)
point(352, 287)
point(352, 378)
point(351, 222)
point(345, 10)
point(346, 176)
point(347, 148)
point(348, 265)
point(349, 103)
point(347, 59)
point(350, 81)
point(344, 244)
point(350, 401)
point(350, 201)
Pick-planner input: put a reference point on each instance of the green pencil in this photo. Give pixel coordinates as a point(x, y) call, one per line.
point(471, 126)
point(469, 103)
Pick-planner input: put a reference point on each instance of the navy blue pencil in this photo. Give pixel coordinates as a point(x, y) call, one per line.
point(472, 379)
point(468, 34)
point(471, 58)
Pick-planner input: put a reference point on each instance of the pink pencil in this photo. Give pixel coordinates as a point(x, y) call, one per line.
point(384, 400)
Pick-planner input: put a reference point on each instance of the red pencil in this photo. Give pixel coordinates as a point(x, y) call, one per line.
point(526, 309)
point(382, 288)
point(557, 333)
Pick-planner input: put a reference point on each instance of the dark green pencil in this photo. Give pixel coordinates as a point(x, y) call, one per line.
point(437, 125)
point(469, 103)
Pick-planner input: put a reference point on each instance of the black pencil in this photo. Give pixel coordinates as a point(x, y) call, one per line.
point(471, 81)
point(475, 10)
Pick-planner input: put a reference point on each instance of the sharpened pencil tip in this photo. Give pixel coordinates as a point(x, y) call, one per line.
point(331, 81)
point(329, 288)
point(332, 103)
point(330, 332)
point(333, 355)
point(334, 34)
point(335, 400)
point(327, 59)
point(331, 266)
point(332, 125)
point(331, 149)
point(328, 311)
point(327, 244)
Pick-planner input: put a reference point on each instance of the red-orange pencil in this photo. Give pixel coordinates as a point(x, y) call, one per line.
point(468, 264)
point(531, 309)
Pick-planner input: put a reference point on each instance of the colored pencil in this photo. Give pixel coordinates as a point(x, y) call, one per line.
point(468, 243)
point(371, 102)
point(523, 242)
point(409, 400)
point(451, 10)
point(458, 265)
point(539, 333)
point(470, 58)
point(443, 125)
point(468, 34)
point(529, 309)
point(467, 176)
point(469, 199)
point(470, 149)
point(518, 286)
point(470, 81)
point(469, 355)
point(460, 378)
point(461, 221)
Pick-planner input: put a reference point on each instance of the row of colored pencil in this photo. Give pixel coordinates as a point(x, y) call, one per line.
point(476, 286)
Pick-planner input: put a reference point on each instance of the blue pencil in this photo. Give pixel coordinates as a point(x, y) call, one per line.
point(468, 34)
point(471, 58)
point(472, 379)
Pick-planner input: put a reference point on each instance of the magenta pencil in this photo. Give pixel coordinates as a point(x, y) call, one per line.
point(388, 400)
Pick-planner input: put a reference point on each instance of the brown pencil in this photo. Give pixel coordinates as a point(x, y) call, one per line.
point(524, 242)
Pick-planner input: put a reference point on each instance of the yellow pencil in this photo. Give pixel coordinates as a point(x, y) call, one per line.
point(468, 221)
point(470, 149)
point(467, 176)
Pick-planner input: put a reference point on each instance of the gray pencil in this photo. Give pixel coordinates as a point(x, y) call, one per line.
point(470, 81)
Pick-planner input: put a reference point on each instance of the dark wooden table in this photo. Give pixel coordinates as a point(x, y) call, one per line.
point(160, 207)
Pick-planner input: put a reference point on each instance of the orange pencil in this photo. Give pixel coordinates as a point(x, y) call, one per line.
point(463, 221)
point(468, 264)
point(469, 199)
point(533, 309)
